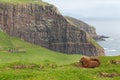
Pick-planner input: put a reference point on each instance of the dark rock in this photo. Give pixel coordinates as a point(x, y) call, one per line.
point(104, 36)
point(45, 26)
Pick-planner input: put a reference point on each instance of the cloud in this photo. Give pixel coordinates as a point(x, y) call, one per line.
point(88, 8)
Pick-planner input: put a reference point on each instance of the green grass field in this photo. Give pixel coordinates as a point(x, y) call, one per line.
point(24, 2)
point(32, 62)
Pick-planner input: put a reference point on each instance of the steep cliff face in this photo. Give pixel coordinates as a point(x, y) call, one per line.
point(85, 27)
point(45, 26)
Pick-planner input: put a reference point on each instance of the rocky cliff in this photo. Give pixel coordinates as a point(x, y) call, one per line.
point(45, 26)
point(85, 27)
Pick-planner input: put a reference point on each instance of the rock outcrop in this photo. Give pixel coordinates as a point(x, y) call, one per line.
point(87, 28)
point(45, 26)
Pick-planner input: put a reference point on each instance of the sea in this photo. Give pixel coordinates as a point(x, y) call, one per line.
point(109, 28)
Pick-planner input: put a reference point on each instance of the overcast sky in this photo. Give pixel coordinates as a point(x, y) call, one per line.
point(88, 8)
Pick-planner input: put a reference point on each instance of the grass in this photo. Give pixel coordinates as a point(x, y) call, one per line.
point(33, 53)
point(38, 63)
point(93, 42)
point(24, 2)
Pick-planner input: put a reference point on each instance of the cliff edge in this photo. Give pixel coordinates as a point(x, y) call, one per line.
point(45, 26)
point(85, 27)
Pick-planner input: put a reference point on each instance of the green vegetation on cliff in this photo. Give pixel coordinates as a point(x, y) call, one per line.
point(24, 2)
point(37, 63)
point(90, 39)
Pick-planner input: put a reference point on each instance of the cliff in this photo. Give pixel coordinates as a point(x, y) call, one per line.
point(85, 27)
point(45, 26)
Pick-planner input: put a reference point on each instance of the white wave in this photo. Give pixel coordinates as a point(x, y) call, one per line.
point(105, 48)
point(113, 50)
point(111, 39)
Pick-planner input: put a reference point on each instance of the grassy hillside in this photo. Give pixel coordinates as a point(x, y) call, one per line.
point(26, 52)
point(24, 1)
point(20, 60)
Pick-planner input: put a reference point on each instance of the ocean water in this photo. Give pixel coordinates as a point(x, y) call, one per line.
point(109, 28)
point(111, 45)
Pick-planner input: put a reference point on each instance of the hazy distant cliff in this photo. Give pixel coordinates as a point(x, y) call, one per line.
point(44, 25)
point(87, 28)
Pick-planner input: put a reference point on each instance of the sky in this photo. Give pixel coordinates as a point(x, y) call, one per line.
point(104, 15)
point(100, 9)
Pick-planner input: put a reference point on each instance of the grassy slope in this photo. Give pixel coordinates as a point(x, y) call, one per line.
point(33, 53)
point(38, 63)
